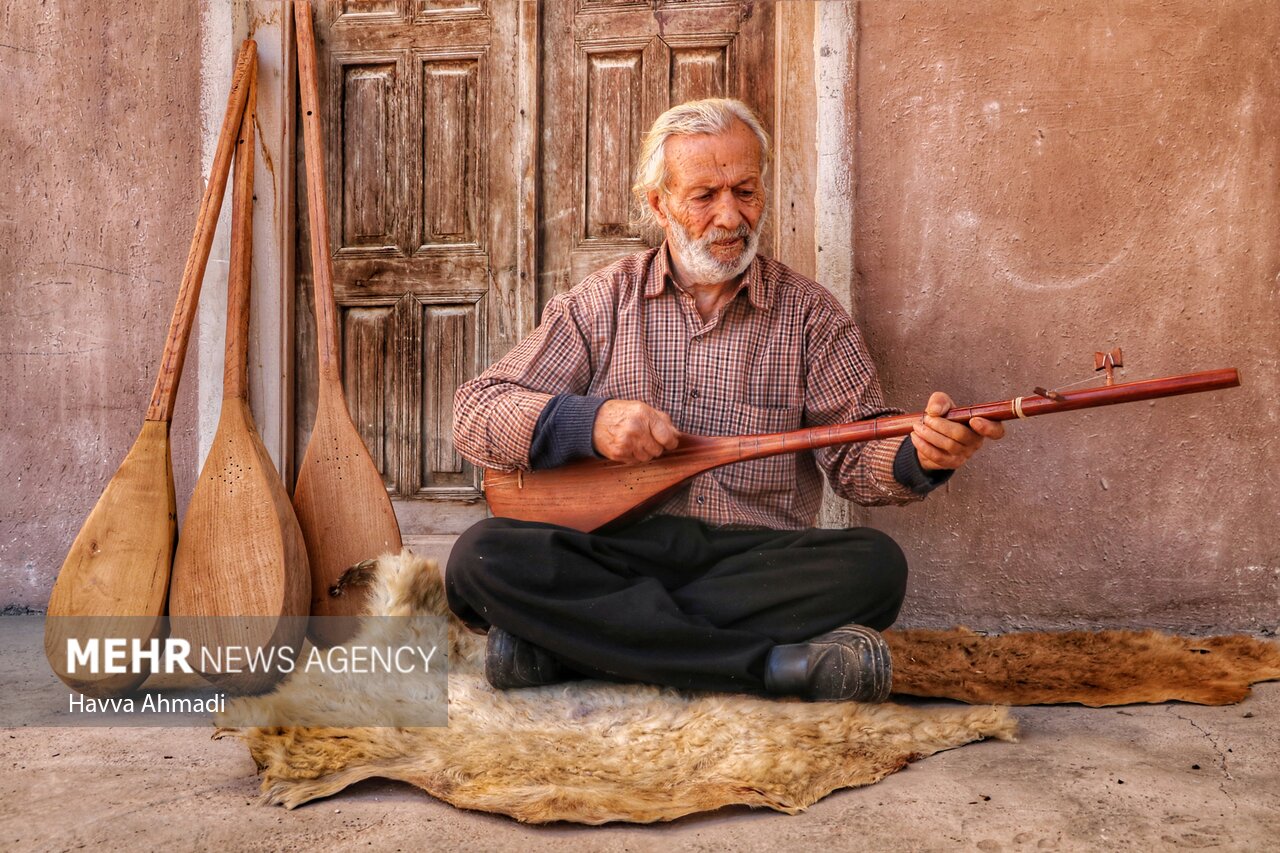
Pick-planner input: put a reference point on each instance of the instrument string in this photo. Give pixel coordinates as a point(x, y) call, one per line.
point(1017, 401)
point(1089, 378)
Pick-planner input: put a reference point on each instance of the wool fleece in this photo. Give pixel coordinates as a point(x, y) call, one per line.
point(587, 752)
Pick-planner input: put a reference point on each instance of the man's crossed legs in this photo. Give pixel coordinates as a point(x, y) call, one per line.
point(673, 601)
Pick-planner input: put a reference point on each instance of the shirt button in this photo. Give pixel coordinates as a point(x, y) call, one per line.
point(702, 499)
point(694, 393)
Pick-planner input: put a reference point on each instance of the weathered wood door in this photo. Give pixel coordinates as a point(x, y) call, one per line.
point(479, 160)
point(610, 67)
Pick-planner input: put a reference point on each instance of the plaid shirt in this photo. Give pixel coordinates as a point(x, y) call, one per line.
point(782, 354)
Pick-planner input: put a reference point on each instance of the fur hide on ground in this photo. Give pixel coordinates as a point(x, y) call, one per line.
point(587, 752)
point(591, 752)
point(1094, 668)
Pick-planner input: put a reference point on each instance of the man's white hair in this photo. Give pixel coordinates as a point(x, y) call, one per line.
point(710, 115)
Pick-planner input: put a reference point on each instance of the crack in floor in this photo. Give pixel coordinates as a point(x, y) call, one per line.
point(1222, 756)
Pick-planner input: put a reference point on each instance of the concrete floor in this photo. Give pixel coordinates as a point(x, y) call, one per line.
point(1133, 778)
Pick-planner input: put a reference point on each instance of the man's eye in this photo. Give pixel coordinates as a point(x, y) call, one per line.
point(746, 194)
point(702, 197)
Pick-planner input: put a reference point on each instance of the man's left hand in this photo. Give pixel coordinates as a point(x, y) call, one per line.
point(946, 445)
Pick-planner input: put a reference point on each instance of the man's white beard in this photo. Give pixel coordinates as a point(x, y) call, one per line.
point(696, 257)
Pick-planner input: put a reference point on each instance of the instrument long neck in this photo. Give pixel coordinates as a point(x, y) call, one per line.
point(317, 200)
point(758, 446)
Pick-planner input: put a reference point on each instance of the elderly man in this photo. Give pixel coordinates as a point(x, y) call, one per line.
point(725, 586)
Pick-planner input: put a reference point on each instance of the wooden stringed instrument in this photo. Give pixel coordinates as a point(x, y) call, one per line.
point(596, 493)
point(115, 579)
point(342, 505)
point(240, 574)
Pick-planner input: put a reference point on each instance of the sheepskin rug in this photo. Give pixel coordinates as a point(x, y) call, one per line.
point(1094, 668)
point(586, 752)
point(591, 752)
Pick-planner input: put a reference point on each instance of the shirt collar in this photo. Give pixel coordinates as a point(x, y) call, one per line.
point(758, 287)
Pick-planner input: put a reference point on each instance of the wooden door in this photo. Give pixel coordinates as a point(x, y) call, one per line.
point(442, 117)
point(610, 67)
point(419, 99)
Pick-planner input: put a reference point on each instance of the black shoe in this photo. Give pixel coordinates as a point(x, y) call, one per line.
point(851, 663)
point(512, 662)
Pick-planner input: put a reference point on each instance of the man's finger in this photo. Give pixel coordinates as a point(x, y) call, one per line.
point(651, 448)
point(931, 455)
point(951, 429)
point(987, 429)
point(665, 433)
point(643, 448)
point(941, 441)
point(939, 403)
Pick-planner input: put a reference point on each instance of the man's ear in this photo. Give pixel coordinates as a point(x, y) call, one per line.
point(655, 204)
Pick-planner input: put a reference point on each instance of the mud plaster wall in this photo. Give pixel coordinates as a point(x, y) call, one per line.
point(100, 153)
point(1037, 181)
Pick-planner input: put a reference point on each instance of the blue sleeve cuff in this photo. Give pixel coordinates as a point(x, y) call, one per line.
point(908, 472)
point(563, 431)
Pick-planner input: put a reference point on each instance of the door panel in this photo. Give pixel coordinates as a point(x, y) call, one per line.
point(368, 371)
point(627, 62)
point(452, 204)
point(367, 156)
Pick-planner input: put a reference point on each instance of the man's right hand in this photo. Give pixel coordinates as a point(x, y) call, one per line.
point(630, 431)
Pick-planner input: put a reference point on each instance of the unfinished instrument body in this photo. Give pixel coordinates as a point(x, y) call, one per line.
point(115, 579)
point(345, 514)
point(240, 574)
point(341, 502)
point(117, 571)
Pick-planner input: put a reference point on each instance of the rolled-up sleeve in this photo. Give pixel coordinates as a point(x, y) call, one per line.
point(494, 414)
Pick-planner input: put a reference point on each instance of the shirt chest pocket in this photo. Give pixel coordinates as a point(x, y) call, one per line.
point(771, 480)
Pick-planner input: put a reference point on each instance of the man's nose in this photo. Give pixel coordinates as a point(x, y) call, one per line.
point(727, 215)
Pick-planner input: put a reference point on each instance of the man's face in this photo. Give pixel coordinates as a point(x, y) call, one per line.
point(713, 205)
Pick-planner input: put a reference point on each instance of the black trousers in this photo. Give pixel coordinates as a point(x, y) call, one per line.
point(670, 600)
